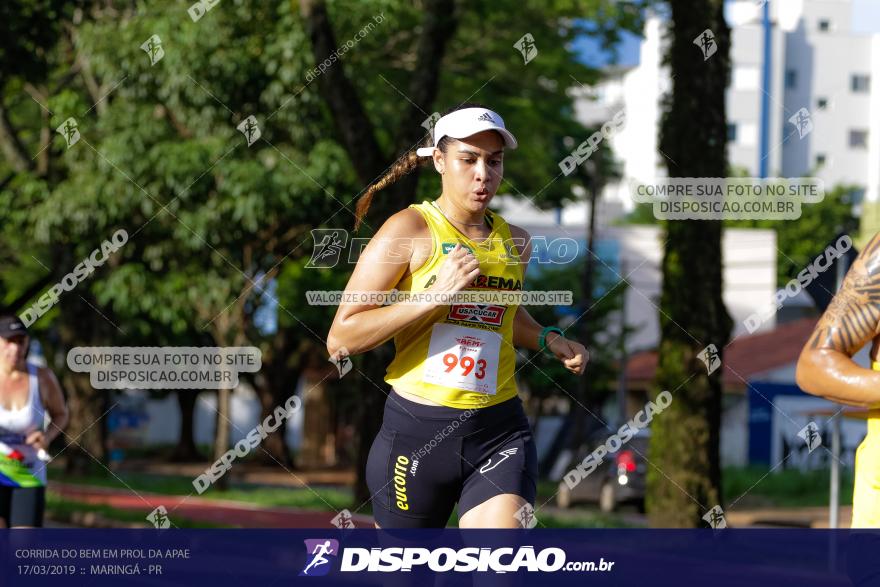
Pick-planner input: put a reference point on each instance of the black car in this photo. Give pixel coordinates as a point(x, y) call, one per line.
point(618, 480)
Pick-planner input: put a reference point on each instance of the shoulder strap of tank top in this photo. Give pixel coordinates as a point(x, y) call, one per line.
point(34, 385)
point(431, 217)
point(491, 218)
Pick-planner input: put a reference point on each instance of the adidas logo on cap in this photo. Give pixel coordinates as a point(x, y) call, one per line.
point(486, 116)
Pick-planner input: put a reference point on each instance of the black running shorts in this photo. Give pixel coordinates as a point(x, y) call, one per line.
point(427, 458)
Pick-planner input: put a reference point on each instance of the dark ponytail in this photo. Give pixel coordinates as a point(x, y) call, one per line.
point(404, 165)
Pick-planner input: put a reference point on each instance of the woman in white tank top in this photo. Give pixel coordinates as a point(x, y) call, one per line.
point(27, 394)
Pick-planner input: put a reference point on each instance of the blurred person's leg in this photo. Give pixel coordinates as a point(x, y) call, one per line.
point(5, 499)
point(26, 507)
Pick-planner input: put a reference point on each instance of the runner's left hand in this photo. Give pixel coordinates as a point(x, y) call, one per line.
point(573, 355)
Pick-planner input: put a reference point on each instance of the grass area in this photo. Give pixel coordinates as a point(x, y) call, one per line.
point(72, 512)
point(580, 518)
point(756, 487)
point(170, 484)
point(783, 488)
point(314, 498)
point(547, 491)
point(753, 487)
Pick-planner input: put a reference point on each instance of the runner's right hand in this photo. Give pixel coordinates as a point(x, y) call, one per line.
point(457, 272)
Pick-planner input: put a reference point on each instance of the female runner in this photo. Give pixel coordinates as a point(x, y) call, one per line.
point(454, 429)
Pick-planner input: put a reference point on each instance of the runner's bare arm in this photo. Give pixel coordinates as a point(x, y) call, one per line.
point(53, 401)
point(526, 329)
point(825, 367)
point(361, 327)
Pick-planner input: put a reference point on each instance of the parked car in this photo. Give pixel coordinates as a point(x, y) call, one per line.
point(618, 480)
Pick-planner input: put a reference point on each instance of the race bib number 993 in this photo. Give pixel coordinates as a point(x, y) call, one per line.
point(463, 358)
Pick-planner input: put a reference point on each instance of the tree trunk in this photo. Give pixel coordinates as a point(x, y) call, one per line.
point(685, 482)
point(186, 450)
point(84, 430)
point(222, 436)
point(79, 325)
point(276, 382)
point(228, 330)
point(355, 129)
point(273, 390)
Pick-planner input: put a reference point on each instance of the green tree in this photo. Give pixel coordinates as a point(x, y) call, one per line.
point(686, 481)
point(798, 242)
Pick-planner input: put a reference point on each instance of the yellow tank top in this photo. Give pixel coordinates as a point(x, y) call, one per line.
point(465, 359)
point(866, 494)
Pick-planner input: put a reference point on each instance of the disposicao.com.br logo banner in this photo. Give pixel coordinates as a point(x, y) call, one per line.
point(727, 557)
point(392, 559)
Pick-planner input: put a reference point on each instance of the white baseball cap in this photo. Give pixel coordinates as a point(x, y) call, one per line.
point(466, 122)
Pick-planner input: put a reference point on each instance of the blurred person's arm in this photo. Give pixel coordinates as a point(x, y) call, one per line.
point(55, 406)
point(825, 367)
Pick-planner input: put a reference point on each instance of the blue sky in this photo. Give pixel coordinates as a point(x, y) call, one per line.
point(865, 19)
point(590, 51)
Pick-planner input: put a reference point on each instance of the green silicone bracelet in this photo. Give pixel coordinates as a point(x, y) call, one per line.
point(542, 340)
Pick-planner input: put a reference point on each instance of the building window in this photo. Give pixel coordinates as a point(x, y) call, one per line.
point(824, 25)
point(746, 77)
point(858, 139)
point(860, 83)
point(822, 103)
point(731, 132)
point(790, 78)
point(820, 159)
point(746, 134)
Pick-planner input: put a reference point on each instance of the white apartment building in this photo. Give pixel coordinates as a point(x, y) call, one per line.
point(819, 55)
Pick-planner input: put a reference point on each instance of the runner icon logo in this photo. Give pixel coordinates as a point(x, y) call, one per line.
point(317, 553)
